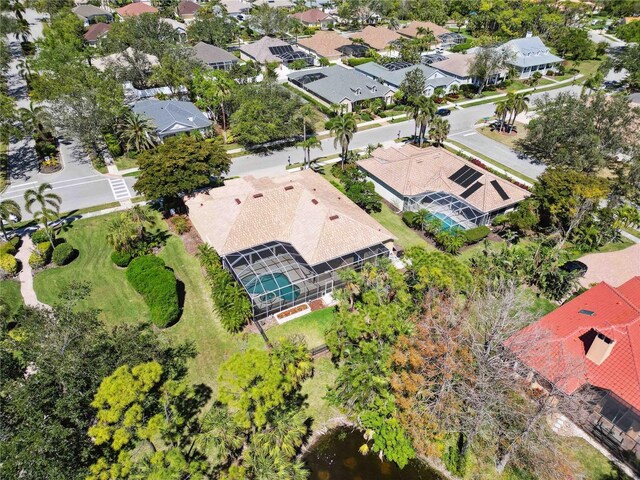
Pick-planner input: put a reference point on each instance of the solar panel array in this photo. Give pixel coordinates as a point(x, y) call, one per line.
point(281, 50)
point(465, 176)
point(469, 191)
point(393, 66)
point(499, 189)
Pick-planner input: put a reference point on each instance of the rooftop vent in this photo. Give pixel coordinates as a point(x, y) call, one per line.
point(289, 187)
point(334, 217)
point(600, 349)
point(314, 201)
point(591, 313)
point(238, 201)
point(258, 195)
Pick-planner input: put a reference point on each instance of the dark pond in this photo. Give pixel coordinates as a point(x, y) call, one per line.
point(336, 457)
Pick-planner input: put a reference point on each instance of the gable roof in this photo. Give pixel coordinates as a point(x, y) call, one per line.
point(135, 9)
point(236, 6)
point(176, 25)
point(210, 54)
point(325, 44)
point(377, 38)
point(530, 51)
point(411, 30)
point(259, 50)
point(433, 78)
point(299, 208)
point(410, 170)
point(121, 59)
point(313, 15)
point(337, 83)
point(187, 7)
point(88, 10)
point(560, 356)
point(172, 116)
point(456, 64)
point(96, 31)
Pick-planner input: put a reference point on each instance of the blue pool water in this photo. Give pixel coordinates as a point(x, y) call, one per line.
point(449, 223)
point(271, 285)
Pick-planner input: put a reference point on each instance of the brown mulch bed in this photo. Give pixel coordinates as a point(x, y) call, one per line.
point(191, 239)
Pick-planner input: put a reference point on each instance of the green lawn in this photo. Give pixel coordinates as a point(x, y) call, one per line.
point(124, 162)
point(316, 388)
point(10, 293)
point(406, 237)
point(311, 326)
point(592, 465)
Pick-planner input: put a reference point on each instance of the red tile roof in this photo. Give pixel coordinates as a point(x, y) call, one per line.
point(313, 15)
point(187, 7)
point(135, 9)
point(95, 31)
point(555, 346)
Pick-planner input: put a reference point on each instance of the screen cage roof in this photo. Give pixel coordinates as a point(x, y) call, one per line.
point(465, 215)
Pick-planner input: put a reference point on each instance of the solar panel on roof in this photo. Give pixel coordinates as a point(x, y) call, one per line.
point(499, 189)
point(281, 49)
point(465, 176)
point(469, 191)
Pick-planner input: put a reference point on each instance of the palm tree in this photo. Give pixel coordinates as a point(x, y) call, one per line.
point(219, 435)
point(427, 112)
point(454, 89)
point(439, 92)
point(18, 10)
point(519, 104)
point(393, 24)
point(49, 206)
point(24, 70)
point(224, 85)
point(307, 115)
point(9, 209)
point(136, 132)
point(36, 119)
point(307, 144)
point(22, 31)
point(439, 130)
point(284, 435)
point(122, 233)
point(343, 127)
point(501, 111)
point(413, 112)
point(141, 217)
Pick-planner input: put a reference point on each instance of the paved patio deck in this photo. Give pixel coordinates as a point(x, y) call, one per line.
point(615, 268)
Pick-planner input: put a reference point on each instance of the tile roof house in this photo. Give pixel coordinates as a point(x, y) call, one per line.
point(341, 86)
point(314, 18)
point(411, 29)
point(275, 3)
point(592, 341)
point(393, 77)
point(325, 44)
point(377, 38)
point(214, 57)
point(291, 233)
point(135, 9)
point(123, 59)
point(95, 32)
point(260, 51)
point(179, 28)
point(187, 10)
point(171, 117)
point(89, 13)
point(236, 8)
point(530, 55)
point(457, 65)
point(431, 178)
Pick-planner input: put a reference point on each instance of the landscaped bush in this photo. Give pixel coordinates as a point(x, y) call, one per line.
point(354, 62)
point(451, 241)
point(121, 259)
point(10, 246)
point(63, 254)
point(181, 225)
point(230, 299)
point(39, 236)
point(41, 255)
point(366, 117)
point(8, 265)
point(113, 145)
point(158, 286)
point(474, 235)
point(462, 47)
point(409, 218)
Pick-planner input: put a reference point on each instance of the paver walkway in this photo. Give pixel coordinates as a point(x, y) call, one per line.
point(26, 276)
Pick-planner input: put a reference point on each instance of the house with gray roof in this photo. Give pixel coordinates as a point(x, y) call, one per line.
point(341, 86)
point(91, 14)
point(171, 117)
point(270, 49)
point(394, 73)
point(214, 57)
point(530, 55)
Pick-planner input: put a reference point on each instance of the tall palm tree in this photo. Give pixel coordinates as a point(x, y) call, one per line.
point(141, 217)
point(9, 209)
point(427, 113)
point(439, 130)
point(224, 87)
point(343, 127)
point(18, 10)
point(122, 233)
point(307, 115)
point(219, 435)
point(307, 144)
point(36, 119)
point(501, 111)
point(519, 104)
point(285, 434)
point(49, 206)
point(394, 24)
point(136, 132)
point(413, 112)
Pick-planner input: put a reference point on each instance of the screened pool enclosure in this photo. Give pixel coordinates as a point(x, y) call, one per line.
point(448, 208)
point(276, 276)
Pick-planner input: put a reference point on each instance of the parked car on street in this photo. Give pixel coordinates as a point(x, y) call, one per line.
point(443, 112)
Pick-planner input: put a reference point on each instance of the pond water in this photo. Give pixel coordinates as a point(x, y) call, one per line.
point(335, 456)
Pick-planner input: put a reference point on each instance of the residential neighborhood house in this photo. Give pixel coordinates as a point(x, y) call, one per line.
point(214, 57)
point(341, 86)
point(171, 117)
point(530, 55)
point(394, 73)
point(270, 49)
point(135, 9)
point(286, 238)
point(449, 187)
point(325, 44)
point(124, 59)
point(314, 18)
point(187, 10)
point(95, 32)
point(90, 14)
point(378, 38)
point(456, 65)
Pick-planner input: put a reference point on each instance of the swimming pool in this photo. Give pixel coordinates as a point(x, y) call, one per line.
point(449, 223)
point(271, 285)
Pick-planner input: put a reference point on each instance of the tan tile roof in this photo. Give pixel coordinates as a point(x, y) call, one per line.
point(376, 37)
point(615, 268)
point(456, 64)
point(325, 44)
point(410, 170)
point(411, 30)
point(313, 15)
point(135, 9)
point(313, 216)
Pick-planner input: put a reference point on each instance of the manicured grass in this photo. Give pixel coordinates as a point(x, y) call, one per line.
point(124, 162)
point(315, 389)
point(406, 237)
point(506, 139)
point(614, 247)
point(311, 326)
point(592, 465)
point(10, 293)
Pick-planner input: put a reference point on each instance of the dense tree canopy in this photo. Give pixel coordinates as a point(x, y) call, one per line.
point(147, 33)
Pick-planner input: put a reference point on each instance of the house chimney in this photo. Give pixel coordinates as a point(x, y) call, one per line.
point(600, 349)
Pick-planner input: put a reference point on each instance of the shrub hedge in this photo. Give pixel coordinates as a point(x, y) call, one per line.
point(8, 265)
point(409, 218)
point(474, 235)
point(181, 225)
point(41, 255)
point(39, 236)
point(63, 254)
point(121, 259)
point(158, 286)
point(354, 62)
point(10, 246)
point(231, 301)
